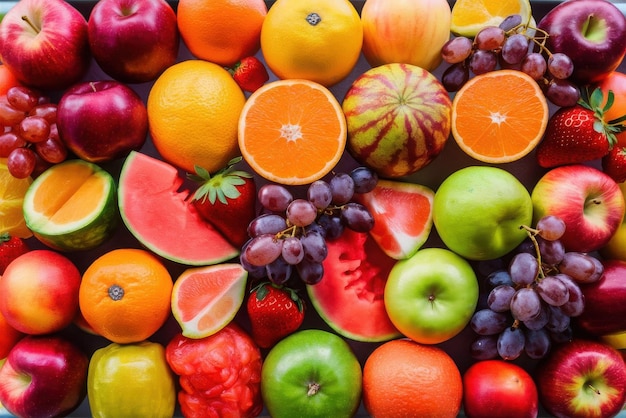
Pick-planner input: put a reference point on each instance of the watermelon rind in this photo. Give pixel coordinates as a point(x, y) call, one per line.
point(233, 288)
point(78, 236)
point(159, 215)
point(355, 272)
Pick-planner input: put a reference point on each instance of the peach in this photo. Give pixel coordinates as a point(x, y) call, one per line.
point(39, 292)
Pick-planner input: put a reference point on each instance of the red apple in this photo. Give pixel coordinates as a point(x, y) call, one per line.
point(133, 41)
point(589, 202)
point(582, 378)
point(605, 301)
point(498, 388)
point(102, 120)
point(45, 44)
point(39, 292)
point(43, 376)
point(591, 32)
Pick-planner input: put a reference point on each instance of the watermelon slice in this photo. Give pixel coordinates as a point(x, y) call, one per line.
point(403, 216)
point(350, 296)
point(159, 215)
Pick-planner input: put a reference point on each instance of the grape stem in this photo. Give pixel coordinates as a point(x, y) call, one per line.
point(532, 232)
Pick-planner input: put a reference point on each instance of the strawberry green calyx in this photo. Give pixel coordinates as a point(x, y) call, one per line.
point(222, 185)
point(261, 291)
point(593, 102)
point(5, 237)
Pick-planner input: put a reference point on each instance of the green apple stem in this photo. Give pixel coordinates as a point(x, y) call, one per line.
point(30, 23)
point(593, 388)
point(313, 389)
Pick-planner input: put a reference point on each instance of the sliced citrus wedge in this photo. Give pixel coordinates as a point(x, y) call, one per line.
point(470, 16)
point(206, 299)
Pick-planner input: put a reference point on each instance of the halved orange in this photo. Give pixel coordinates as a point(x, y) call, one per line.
point(292, 131)
point(500, 116)
point(205, 299)
point(12, 192)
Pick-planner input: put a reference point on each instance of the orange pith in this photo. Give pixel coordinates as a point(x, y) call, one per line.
point(292, 131)
point(125, 295)
point(499, 117)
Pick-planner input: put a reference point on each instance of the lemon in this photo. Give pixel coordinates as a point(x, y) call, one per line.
point(12, 191)
point(470, 16)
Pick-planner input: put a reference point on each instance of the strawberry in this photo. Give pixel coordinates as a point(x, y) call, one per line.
point(614, 164)
point(10, 248)
point(227, 200)
point(579, 133)
point(249, 73)
point(275, 311)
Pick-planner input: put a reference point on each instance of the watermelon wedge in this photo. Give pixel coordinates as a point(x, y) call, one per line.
point(350, 296)
point(159, 215)
point(403, 216)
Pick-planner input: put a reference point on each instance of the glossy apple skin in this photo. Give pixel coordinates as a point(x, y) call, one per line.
point(102, 120)
point(495, 204)
point(55, 57)
point(596, 51)
point(133, 41)
point(498, 388)
point(605, 301)
point(589, 202)
point(405, 31)
point(582, 378)
point(43, 376)
point(39, 292)
point(308, 357)
point(431, 296)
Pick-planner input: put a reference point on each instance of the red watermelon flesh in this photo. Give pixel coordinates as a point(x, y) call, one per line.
point(403, 216)
point(350, 295)
point(159, 215)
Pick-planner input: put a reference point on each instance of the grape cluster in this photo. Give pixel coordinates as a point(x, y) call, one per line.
point(530, 302)
point(29, 136)
point(291, 233)
point(513, 45)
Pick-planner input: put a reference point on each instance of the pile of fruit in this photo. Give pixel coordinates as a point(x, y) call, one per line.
point(322, 209)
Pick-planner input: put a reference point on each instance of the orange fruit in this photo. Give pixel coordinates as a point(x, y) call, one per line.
point(500, 116)
point(616, 82)
point(292, 131)
point(402, 378)
point(221, 31)
point(470, 16)
point(319, 41)
point(7, 79)
point(193, 110)
point(206, 299)
point(125, 295)
point(12, 192)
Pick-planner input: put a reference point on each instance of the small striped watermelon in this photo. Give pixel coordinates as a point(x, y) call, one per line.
point(403, 216)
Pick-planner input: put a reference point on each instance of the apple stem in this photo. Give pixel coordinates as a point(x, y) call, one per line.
point(313, 389)
point(27, 20)
point(593, 388)
point(93, 86)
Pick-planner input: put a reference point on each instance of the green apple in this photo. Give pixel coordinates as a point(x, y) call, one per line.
point(312, 373)
point(478, 212)
point(431, 296)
